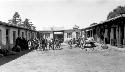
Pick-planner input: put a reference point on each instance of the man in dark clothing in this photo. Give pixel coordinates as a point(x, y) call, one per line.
point(46, 43)
point(43, 44)
point(53, 43)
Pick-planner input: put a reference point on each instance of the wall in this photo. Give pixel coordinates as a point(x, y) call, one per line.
point(65, 35)
point(28, 35)
point(51, 35)
point(10, 44)
point(22, 30)
point(3, 31)
point(11, 34)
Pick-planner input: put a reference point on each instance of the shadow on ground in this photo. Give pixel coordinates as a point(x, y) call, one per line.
point(6, 59)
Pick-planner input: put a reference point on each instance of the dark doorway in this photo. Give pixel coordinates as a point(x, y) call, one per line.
point(108, 37)
point(58, 35)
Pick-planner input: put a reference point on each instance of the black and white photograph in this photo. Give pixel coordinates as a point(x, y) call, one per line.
point(62, 35)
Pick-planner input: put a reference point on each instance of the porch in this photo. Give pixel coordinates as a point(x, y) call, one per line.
point(109, 32)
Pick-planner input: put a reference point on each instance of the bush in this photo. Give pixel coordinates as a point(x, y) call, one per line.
point(4, 51)
point(16, 48)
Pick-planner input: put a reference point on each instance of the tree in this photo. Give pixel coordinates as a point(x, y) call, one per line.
point(27, 23)
point(116, 12)
point(16, 19)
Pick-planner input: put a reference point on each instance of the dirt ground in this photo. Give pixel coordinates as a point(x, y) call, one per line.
point(68, 60)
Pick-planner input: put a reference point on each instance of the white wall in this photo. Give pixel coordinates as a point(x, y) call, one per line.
point(51, 35)
point(3, 30)
point(74, 34)
point(28, 37)
point(65, 37)
point(11, 34)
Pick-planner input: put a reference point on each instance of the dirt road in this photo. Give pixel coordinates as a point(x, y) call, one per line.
point(68, 60)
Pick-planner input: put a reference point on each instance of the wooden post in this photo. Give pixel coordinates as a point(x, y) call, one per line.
point(124, 37)
point(53, 40)
point(117, 35)
point(120, 35)
point(105, 36)
point(92, 33)
point(111, 35)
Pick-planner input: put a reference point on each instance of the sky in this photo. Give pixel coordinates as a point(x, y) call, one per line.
point(59, 13)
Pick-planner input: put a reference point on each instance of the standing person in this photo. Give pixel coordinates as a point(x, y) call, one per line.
point(74, 41)
point(50, 44)
point(53, 44)
point(43, 44)
point(46, 43)
point(29, 44)
point(40, 44)
point(77, 42)
point(37, 43)
point(70, 43)
point(81, 42)
point(60, 41)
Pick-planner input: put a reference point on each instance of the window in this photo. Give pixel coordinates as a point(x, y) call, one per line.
point(69, 35)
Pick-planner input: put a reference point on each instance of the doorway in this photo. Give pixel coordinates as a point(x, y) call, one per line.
point(58, 35)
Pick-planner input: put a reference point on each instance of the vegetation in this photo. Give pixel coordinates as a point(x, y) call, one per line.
point(116, 12)
point(16, 19)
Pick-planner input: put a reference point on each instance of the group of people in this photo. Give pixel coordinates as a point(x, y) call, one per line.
point(36, 44)
point(78, 42)
point(81, 42)
point(50, 44)
point(22, 43)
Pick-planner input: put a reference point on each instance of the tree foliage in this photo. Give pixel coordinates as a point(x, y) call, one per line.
point(27, 23)
point(116, 12)
point(16, 19)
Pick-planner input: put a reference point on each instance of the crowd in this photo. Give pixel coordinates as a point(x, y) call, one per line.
point(36, 44)
point(85, 43)
point(81, 42)
point(21, 44)
point(50, 43)
point(43, 44)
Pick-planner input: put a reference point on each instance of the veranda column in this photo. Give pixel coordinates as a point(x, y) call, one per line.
point(111, 36)
point(96, 36)
point(117, 35)
point(86, 33)
point(124, 37)
point(120, 35)
point(92, 33)
point(105, 36)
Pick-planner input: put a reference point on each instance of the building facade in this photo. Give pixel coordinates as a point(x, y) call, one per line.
point(9, 34)
point(62, 34)
point(109, 32)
